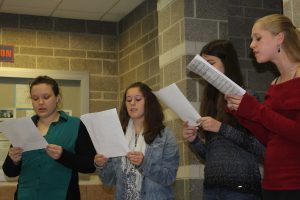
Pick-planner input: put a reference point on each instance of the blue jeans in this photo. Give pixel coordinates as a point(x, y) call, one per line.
point(218, 193)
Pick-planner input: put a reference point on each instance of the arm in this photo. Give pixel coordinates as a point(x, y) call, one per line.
point(107, 173)
point(260, 132)
point(83, 159)
point(10, 169)
point(191, 135)
point(243, 139)
point(199, 147)
point(162, 169)
point(256, 128)
point(252, 110)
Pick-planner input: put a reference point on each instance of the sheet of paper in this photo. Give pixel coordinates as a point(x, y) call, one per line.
point(173, 98)
point(22, 132)
point(201, 67)
point(106, 132)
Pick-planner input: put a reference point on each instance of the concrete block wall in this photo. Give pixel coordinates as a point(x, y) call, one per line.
point(67, 45)
point(242, 14)
point(153, 43)
point(138, 47)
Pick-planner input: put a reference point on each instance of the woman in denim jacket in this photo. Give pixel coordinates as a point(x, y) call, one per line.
point(149, 169)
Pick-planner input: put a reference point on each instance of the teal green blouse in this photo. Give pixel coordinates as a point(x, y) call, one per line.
point(41, 176)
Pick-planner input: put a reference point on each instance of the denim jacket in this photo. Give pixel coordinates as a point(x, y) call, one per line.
point(159, 169)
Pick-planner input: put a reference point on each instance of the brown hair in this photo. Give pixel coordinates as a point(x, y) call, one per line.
point(46, 80)
point(277, 23)
point(153, 123)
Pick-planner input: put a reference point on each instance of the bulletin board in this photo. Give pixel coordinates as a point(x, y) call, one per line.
point(14, 89)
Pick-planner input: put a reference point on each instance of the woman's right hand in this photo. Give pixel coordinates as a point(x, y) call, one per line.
point(15, 153)
point(100, 160)
point(189, 132)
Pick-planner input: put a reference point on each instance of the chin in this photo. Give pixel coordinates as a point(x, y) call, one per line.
point(260, 60)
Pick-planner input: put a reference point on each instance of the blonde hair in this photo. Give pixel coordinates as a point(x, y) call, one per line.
point(277, 23)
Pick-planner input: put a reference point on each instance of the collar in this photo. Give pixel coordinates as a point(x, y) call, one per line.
point(62, 117)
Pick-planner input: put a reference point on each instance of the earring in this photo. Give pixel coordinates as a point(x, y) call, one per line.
point(278, 48)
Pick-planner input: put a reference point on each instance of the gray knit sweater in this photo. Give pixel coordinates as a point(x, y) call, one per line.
point(230, 159)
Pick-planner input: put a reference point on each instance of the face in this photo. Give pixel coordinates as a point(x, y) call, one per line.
point(135, 102)
point(43, 100)
point(264, 44)
point(215, 61)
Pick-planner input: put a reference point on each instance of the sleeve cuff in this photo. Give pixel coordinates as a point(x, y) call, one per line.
point(196, 140)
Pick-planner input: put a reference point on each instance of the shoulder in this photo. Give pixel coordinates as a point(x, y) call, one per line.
point(167, 135)
point(67, 117)
point(167, 132)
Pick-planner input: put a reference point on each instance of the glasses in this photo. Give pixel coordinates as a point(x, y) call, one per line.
point(136, 98)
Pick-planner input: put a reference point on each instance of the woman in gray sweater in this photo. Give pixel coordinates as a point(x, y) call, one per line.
point(229, 151)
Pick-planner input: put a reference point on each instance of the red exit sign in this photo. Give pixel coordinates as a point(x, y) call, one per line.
point(6, 53)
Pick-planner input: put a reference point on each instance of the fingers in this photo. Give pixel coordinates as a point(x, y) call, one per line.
point(54, 151)
point(135, 157)
point(233, 101)
point(100, 160)
point(210, 124)
point(15, 153)
point(185, 124)
point(189, 132)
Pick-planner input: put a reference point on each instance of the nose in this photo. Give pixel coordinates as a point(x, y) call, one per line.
point(41, 101)
point(252, 44)
point(132, 102)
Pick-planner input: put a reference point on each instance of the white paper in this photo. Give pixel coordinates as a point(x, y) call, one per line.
point(219, 80)
point(23, 133)
point(173, 98)
point(106, 133)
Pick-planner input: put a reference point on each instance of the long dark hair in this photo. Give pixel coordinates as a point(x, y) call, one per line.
point(213, 103)
point(153, 122)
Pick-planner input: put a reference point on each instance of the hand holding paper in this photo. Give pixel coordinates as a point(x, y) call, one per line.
point(23, 133)
point(106, 133)
point(174, 98)
point(201, 67)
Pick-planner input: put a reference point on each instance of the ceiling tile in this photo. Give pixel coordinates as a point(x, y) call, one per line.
point(87, 5)
point(76, 15)
point(106, 10)
point(32, 7)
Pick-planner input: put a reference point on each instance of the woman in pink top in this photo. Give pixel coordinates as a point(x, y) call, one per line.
point(276, 122)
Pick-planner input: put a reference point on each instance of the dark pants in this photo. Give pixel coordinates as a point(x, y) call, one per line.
point(218, 193)
point(281, 194)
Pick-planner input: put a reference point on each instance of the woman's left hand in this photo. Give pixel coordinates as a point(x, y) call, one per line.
point(135, 157)
point(54, 151)
point(233, 101)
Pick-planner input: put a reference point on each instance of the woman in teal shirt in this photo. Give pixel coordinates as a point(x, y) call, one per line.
point(51, 173)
